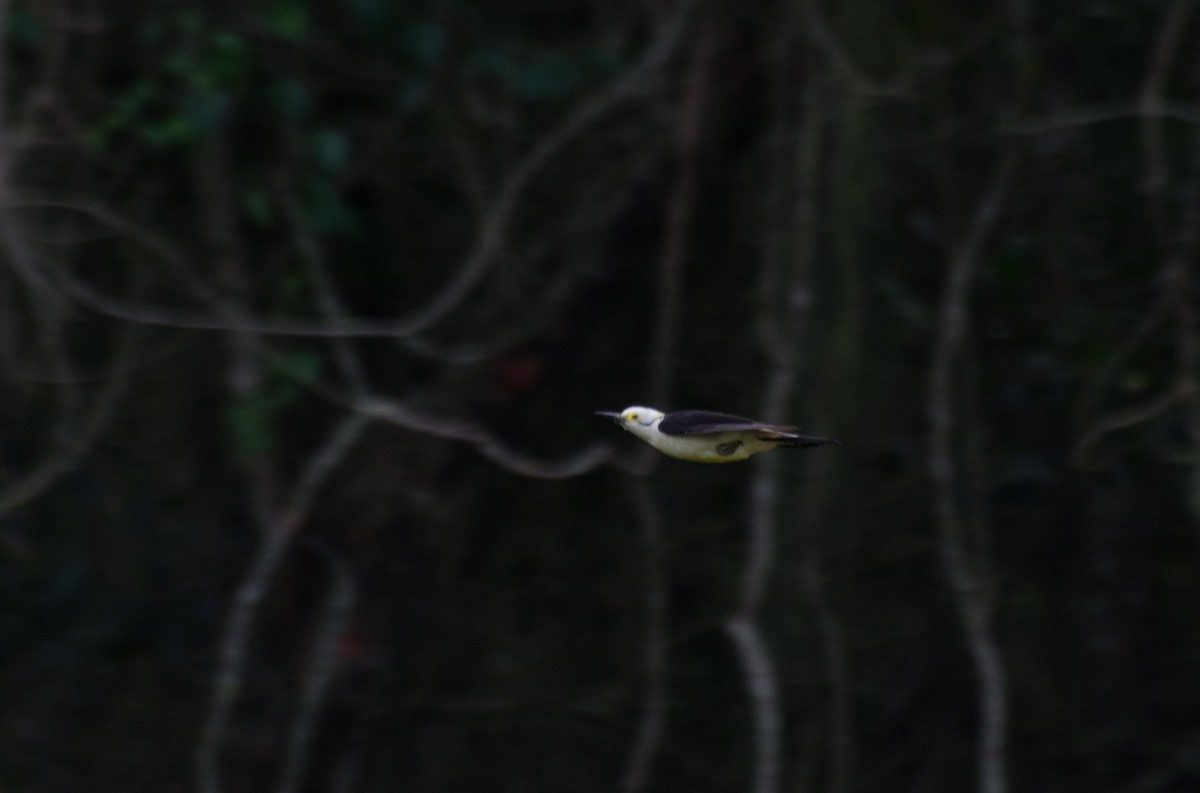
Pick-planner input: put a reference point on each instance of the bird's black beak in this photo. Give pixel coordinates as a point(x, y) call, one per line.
point(610, 415)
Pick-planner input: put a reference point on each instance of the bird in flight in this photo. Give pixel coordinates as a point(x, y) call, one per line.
point(702, 436)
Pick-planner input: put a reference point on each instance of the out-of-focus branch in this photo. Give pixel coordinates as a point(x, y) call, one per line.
point(1178, 244)
point(1107, 112)
point(153, 243)
point(1187, 323)
point(322, 667)
point(778, 182)
point(847, 70)
point(227, 679)
point(20, 258)
point(655, 661)
point(582, 462)
point(493, 226)
point(661, 367)
point(964, 572)
point(764, 701)
point(12, 352)
point(1151, 99)
point(47, 308)
point(967, 568)
point(978, 533)
point(547, 305)
point(783, 337)
point(64, 453)
point(489, 241)
point(232, 294)
point(679, 213)
point(1176, 301)
point(1082, 455)
point(1150, 323)
point(467, 163)
point(840, 364)
point(4, 12)
point(391, 411)
point(75, 428)
point(1177, 240)
point(787, 268)
point(227, 318)
point(786, 298)
point(311, 255)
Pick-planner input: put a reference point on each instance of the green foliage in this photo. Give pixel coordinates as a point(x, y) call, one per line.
point(328, 209)
point(256, 204)
point(252, 421)
point(290, 98)
point(330, 150)
point(548, 76)
point(23, 27)
point(288, 19)
point(189, 91)
point(424, 42)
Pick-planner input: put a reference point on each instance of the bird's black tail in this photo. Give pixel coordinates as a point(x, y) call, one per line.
point(805, 441)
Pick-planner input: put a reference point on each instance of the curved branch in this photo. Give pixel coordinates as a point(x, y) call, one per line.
point(972, 600)
point(578, 464)
point(844, 65)
point(498, 217)
point(313, 258)
point(1126, 417)
point(227, 680)
point(59, 459)
point(488, 243)
point(764, 698)
point(1151, 99)
point(322, 668)
point(1130, 341)
point(650, 729)
point(679, 214)
point(1136, 109)
point(74, 434)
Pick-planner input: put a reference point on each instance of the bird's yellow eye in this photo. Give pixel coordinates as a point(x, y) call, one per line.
point(633, 417)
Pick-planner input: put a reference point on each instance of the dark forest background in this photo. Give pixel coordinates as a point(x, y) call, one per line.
point(306, 309)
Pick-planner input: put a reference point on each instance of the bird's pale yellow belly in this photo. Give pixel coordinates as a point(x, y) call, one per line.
point(709, 448)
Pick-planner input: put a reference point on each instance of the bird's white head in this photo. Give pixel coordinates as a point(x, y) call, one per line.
point(636, 415)
point(641, 421)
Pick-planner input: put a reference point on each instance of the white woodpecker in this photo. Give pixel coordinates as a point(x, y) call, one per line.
point(702, 436)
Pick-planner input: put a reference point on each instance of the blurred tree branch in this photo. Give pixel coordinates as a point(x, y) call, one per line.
point(309, 251)
point(239, 629)
point(322, 668)
point(973, 595)
point(656, 658)
point(785, 299)
point(763, 692)
point(1176, 240)
point(81, 432)
point(76, 427)
point(689, 129)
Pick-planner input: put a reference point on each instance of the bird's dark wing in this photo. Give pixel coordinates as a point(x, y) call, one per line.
point(705, 422)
